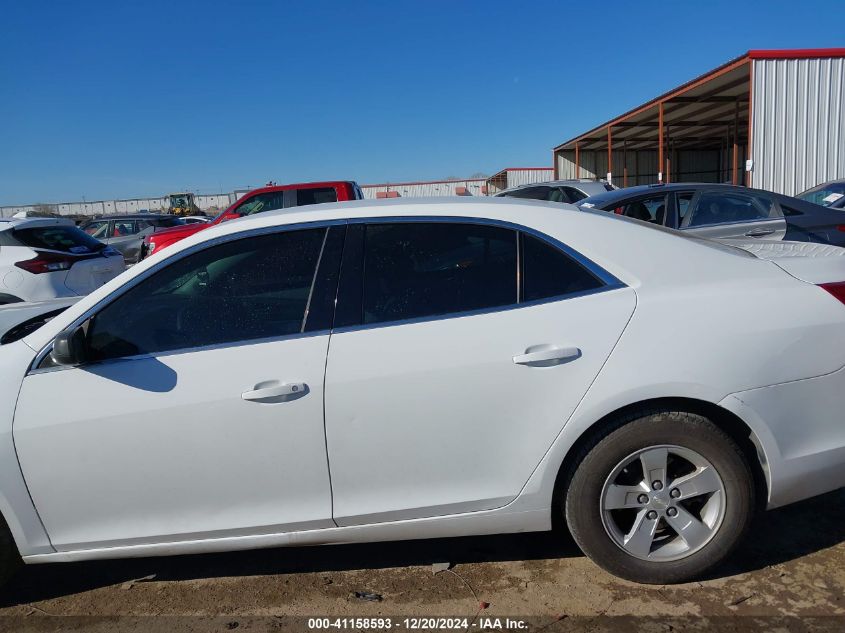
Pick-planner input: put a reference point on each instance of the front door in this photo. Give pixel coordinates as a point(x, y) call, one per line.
point(199, 413)
point(473, 346)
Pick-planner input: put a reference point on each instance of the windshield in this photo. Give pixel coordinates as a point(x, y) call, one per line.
point(825, 194)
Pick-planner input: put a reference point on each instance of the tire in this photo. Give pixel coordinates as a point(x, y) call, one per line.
point(611, 522)
point(10, 560)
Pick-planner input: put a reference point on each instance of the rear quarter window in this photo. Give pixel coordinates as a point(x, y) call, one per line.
point(67, 239)
point(315, 196)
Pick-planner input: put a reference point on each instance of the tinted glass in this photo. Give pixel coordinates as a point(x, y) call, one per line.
point(68, 239)
point(124, 227)
point(166, 221)
point(250, 288)
point(549, 272)
point(530, 193)
point(573, 194)
point(316, 196)
point(825, 195)
point(263, 202)
point(683, 201)
point(98, 230)
point(646, 209)
point(424, 269)
point(716, 207)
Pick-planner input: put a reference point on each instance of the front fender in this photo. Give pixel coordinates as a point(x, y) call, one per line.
point(15, 503)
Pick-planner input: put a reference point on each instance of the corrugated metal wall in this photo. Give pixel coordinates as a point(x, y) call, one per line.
point(518, 177)
point(798, 123)
point(426, 189)
point(134, 205)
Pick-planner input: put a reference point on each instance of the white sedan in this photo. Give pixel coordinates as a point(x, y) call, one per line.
point(416, 369)
point(47, 258)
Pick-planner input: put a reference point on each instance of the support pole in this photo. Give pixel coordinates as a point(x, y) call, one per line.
point(609, 156)
point(624, 163)
point(660, 142)
point(577, 162)
point(734, 179)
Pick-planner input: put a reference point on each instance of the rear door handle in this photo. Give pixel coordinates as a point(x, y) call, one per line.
point(272, 391)
point(759, 232)
point(547, 355)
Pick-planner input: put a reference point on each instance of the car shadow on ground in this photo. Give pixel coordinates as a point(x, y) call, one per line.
point(778, 536)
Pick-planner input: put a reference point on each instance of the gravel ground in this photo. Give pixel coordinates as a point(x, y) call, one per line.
point(790, 575)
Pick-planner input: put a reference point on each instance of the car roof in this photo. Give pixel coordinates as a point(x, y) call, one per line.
point(629, 192)
point(572, 182)
point(130, 216)
point(603, 239)
point(16, 223)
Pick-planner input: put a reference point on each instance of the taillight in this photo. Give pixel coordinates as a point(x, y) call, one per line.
point(619, 210)
point(837, 289)
point(47, 262)
point(840, 227)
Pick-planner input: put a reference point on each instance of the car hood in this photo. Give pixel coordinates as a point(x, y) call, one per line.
point(13, 314)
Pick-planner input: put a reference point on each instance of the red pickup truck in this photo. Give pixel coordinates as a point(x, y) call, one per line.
point(258, 201)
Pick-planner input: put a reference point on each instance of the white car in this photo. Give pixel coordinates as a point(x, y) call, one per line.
point(46, 258)
point(374, 371)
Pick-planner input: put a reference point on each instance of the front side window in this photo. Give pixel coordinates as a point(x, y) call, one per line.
point(716, 207)
point(246, 289)
point(262, 202)
point(98, 230)
point(316, 195)
point(420, 269)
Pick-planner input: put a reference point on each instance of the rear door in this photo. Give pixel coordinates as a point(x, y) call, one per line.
point(459, 352)
point(717, 213)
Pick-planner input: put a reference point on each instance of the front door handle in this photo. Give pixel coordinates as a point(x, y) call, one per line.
point(547, 355)
point(759, 232)
point(272, 391)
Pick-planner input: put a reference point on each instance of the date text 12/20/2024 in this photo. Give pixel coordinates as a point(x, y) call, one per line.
point(418, 624)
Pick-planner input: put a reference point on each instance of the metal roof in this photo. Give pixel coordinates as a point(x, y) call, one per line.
point(695, 109)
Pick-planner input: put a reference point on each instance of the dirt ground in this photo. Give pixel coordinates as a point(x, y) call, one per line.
point(790, 575)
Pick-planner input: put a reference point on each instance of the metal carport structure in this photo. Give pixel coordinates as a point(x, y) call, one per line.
point(788, 106)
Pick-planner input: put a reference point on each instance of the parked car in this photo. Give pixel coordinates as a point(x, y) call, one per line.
point(126, 232)
point(725, 211)
point(558, 190)
point(45, 258)
point(268, 198)
point(20, 319)
point(830, 194)
point(495, 366)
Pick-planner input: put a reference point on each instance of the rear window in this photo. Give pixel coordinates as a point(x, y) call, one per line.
point(166, 221)
point(315, 196)
point(67, 239)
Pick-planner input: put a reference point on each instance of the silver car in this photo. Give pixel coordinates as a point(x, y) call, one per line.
point(558, 190)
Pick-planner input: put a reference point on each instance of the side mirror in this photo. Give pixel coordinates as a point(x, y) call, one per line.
point(69, 347)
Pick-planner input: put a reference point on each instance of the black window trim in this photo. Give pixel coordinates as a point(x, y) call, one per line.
point(35, 368)
point(351, 285)
point(609, 281)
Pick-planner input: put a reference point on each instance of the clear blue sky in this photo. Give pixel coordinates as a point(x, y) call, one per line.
point(119, 99)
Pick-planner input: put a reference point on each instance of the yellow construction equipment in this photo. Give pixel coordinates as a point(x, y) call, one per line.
point(182, 204)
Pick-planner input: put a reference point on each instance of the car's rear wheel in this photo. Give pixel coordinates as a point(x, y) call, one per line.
point(661, 499)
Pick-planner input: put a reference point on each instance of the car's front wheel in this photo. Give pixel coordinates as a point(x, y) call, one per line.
point(661, 499)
